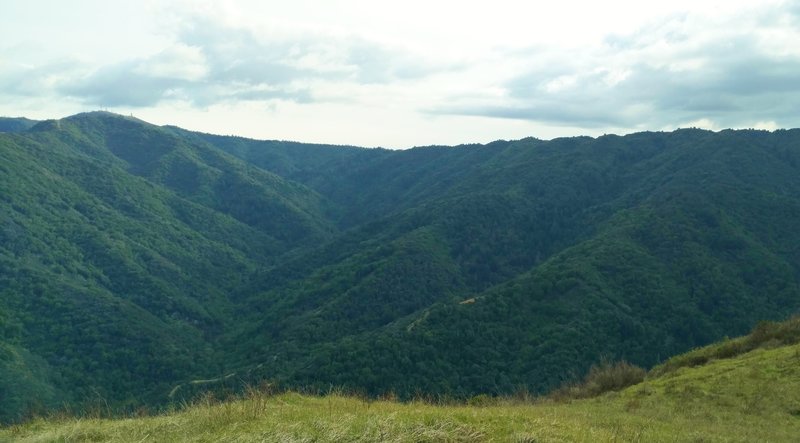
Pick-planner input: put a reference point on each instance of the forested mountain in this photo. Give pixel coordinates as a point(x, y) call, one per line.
point(135, 259)
point(9, 124)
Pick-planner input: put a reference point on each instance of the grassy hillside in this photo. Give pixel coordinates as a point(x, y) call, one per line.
point(750, 395)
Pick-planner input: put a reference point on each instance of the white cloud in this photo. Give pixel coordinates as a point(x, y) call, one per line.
point(213, 62)
point(766, 125)
point(680, 69)
point(702, 123)
point(419, 67)
point(180, 62)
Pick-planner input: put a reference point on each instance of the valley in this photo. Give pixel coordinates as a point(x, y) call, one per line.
point(135, 259)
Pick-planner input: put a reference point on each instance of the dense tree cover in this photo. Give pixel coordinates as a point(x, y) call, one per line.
point(117, 284)
point(136, 259)
point(8, 124)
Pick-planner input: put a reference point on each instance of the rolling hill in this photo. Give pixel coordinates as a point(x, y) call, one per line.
point(136, 260)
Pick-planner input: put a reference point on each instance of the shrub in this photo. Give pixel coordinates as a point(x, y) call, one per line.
point(601, 378)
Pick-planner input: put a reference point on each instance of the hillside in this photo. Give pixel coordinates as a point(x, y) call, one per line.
point(635, 247)
point(9, 124)
point(114, 284)
point(136, 260)
point(752, 396)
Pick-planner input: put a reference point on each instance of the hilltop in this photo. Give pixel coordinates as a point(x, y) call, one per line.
point(142, 265)
point(752, 394)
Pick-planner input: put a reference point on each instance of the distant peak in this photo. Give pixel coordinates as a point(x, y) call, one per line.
point(46, 125)
point(16, 124)
point(103, 114)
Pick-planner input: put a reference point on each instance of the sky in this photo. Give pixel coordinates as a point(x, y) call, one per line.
point(411, 73)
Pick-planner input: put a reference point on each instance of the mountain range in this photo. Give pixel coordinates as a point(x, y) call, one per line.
point(142, 264)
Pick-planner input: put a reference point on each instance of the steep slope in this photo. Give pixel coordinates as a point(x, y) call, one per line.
point(115, 286)
point(555, 254)
point(286, 211)
point(366, 183)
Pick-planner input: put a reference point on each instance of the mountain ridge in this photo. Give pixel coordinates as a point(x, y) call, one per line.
point(312, 265)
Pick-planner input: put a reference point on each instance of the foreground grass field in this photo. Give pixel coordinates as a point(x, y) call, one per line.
point(753, 395)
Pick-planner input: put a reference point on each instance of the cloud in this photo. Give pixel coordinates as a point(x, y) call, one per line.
point(243, 54)
point(122, 85)
point(730, 67)
point(374, 64)
point(213, 63)
point(237, 55)
point(209, 65)
point(26, 80)
point(735, 73)
point(178, 62)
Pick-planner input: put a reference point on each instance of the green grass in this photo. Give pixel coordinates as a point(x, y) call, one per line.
point(765, 335)
point(753, 396)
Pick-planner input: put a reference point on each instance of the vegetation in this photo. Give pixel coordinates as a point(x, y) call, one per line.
point(766, 334)
point(15, 124)
point(141, 265)
point(601, 378)
point(754, 396)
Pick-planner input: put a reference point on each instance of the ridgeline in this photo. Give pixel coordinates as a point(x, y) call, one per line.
point(137, 259)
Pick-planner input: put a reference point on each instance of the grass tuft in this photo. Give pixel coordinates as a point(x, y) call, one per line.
point(766, 334)
point(601, 378)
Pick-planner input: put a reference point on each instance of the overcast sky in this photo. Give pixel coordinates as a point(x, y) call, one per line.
point(405, 73)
